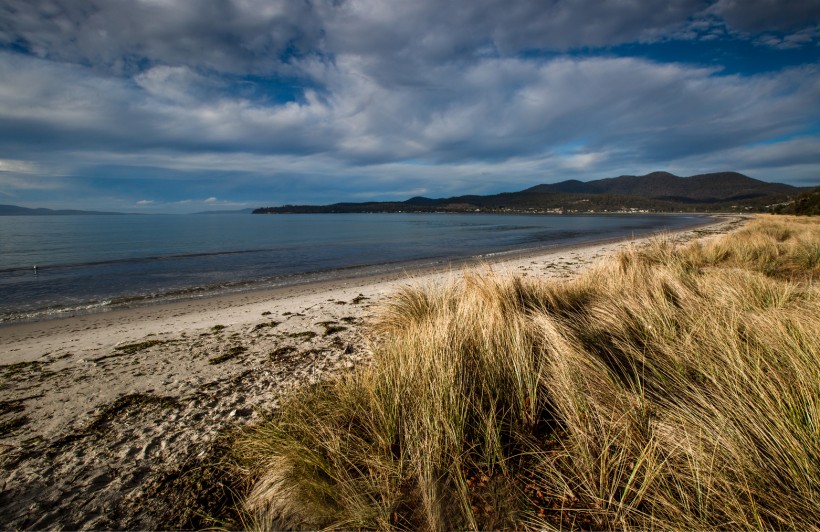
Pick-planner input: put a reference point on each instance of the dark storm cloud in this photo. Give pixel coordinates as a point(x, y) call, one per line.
point(443, 29)
point(223, 35)
point(265, 35)
point(769, 15)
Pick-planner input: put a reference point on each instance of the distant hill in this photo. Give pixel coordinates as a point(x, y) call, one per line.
point(806, 204)
point(703, 188)
point(654, 192)
point(14, 210)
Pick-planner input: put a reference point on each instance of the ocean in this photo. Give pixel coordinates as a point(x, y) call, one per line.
point(97, 263)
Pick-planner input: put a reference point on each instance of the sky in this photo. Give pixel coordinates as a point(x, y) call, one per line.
point(193, 105)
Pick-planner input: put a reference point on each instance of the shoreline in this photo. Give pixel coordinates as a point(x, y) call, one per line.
point(359, 277)
point(358, 274)
point(97, 409)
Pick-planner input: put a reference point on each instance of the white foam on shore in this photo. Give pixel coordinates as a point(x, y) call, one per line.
point(52, 312)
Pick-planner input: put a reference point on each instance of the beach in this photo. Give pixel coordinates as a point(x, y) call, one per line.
point(101, 411)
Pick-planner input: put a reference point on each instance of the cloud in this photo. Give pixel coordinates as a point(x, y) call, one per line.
point(492, 110)
point(502, 108)
point(368, 98)
point(179, 85)
point(768, 15)
point(264, 37)
point(440, 30)
point(221, 35)
point(210, 200)
point(21, 175)
point(17, 167)
point(146, 202)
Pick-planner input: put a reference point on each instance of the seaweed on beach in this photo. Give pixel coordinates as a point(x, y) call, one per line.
point(202, 492)
point(281, 353)
point(10, 407)
point(265, 325)
point(237, 380)
point(130, 349)
point(8, 427)
point(233, 352)
point(10, 370)
point(344, 347)
point(333, 329)
point(306, 335)
point(122, 407)
point(23, 371)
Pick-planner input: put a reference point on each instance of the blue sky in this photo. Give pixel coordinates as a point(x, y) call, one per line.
point(192, 105)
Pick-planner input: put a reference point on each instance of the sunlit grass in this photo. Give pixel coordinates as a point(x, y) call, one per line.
point(668, 387)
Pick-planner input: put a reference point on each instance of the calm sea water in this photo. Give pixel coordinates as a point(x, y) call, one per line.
point(88, 263)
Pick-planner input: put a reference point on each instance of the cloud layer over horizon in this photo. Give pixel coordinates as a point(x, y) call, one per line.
point(153, 105)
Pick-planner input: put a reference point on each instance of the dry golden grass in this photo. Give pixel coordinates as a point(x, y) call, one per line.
point(669, 387)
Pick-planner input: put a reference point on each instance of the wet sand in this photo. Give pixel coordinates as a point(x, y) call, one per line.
point(97, 409)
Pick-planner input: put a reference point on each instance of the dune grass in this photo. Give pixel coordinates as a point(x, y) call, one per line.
point(670, 387)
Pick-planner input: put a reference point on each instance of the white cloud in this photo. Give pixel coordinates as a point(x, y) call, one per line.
point(210, 201)
point(493, 111)
point(17, 167)
point(584, 161)
point(179, 85)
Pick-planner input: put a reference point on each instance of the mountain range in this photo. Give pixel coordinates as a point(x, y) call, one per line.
point(656, 192)
point(14, 210)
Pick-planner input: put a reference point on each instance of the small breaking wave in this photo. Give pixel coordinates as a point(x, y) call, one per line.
point(55, 312)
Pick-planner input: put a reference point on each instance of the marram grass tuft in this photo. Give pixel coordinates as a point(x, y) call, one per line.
point(670, 387)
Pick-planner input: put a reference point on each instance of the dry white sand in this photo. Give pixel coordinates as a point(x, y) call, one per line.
point(101, 414)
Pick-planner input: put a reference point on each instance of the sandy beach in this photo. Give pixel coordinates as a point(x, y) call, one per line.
point(99, 413)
